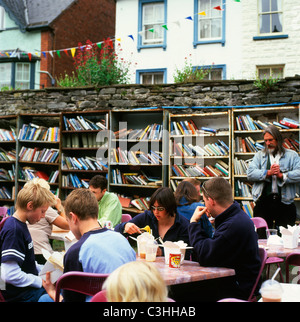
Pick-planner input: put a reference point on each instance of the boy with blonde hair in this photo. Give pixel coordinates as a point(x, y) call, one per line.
point(18, 268)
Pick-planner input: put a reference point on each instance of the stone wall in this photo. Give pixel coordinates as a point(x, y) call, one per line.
point(203, 93)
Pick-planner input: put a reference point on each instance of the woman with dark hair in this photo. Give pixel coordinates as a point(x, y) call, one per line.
point(187, 200)
point(161, 218)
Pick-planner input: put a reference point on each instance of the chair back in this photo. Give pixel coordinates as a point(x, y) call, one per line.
point(2, 222)
point(125, 218)
point(259, 222)
point(3, 211)
point(263, 258)
point(292, 259)
point(81, 282)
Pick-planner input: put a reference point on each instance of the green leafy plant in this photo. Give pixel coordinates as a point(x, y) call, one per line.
point(266, 84)
point(190, 74)
point(97, 65)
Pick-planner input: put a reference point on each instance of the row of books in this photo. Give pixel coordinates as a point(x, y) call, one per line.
point(33, 132)
point(6, 193)
point(219, 148)
point(290, 143)
point(188, 127)
point(242, 189)
point(135, 178)
point(150, 132)
point(135, 157)
point(83, 163)
point(247, 145)
point(248, 207)
point(30, 173)
point(72, 181)
point(37, 155)
point(81, 123)
point(6, 156)
point(141, 203)
point(247, 123)
point(220, 169)
point(241, 166)
point(7, 175)
point(7, 135)
point(83, 140)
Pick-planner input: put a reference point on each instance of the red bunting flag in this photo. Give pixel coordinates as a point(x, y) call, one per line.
point(218, 8)
point(66, 52)
point(29, 56)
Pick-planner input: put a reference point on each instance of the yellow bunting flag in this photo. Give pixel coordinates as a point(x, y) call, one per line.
point(202, 13)
point(73, 51)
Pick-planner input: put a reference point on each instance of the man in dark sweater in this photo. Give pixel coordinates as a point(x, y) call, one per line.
point(234, 244)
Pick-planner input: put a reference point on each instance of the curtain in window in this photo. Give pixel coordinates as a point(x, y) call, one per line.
point(210, 25)
point(153, 19)
point(5, 75)
point(270, 16)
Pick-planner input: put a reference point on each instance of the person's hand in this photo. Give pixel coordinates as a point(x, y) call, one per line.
point(275, 171)
point(131, 228)
point(49, 287)
point(198, 213)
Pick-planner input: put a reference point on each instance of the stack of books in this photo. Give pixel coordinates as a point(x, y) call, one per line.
point(150, 132)
point(7, 175)
point(7, 135)
point(247, 145)
point(291, 144)
point(83, 163)
point(6, 193)
point(72, 181)
point(241, 166)
point(33, 132)
point(141, 203)
point(188, 127)
point(243, 189)
point(135, 157)
point(248, 207)
point(7, 156)
point(134, 178)
point(83, 124)
point(37, 155)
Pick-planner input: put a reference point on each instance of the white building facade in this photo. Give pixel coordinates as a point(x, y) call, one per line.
point(233, 39)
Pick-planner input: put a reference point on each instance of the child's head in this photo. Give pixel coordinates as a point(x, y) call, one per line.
point(34, 199)
point(83, 203)
point(136, 282)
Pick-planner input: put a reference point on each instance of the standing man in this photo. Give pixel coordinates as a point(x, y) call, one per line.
point(234, 244)
point(276, 173)
point(110, 208)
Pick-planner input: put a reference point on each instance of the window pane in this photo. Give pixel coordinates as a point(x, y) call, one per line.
point(22, 76)
point(265, 24)
point(277, 72)
point(5, 75)
point(152, 78)
point(276, 24)
point(276, 5)
point(216, 74)
point(153, 18)
point(158, 78)
point(265, 6)
point(264, 73)
point(146, 79)
point(216, 28)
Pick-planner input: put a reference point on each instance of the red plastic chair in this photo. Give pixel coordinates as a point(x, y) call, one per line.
point(263, 257)
point(81, 282)
point(125, 218)
point(99, 297)
point(292, 259)
point(3, 211)
point(261, 223)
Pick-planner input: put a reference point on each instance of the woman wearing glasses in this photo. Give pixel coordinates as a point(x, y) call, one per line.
point(161, 218)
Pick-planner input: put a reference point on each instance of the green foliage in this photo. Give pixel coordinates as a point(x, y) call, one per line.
point(266, 84)
point(189, 74)
point(97, 66)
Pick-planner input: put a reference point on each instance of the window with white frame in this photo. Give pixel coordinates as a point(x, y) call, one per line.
point(214, 72)
point(270, 16)
point(276, 71)
point(210, 20)
point(22, 76)
point(153, 19)
point(2, 12)
point(5, 75)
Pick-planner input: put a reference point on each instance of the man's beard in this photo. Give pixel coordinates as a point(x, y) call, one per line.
point(272, 150)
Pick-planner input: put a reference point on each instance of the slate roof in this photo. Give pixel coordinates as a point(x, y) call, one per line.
point(30, 14)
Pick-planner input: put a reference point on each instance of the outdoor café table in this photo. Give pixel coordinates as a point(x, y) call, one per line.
point(277, 250)
point(189, 271)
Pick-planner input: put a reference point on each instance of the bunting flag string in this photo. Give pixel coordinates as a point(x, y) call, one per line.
point(73, 50)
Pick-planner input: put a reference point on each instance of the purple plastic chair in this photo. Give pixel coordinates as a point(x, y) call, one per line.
point(125, 218)
point(292, 259)
point(261, 223)
point(81, 282)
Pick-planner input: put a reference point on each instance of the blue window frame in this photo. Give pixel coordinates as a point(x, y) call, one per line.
point(151, 76)
point(152, 17)
point(210, 27)
point(217, 72)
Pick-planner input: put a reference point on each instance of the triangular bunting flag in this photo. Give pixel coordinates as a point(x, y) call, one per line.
point(66, 52)
point(44, 54)
point(202, 13)
point(189, 18)
point(73, 51)
point(130, 36)
point(99, 44)
point(165, 26)
point(51, 53)
point(29, 56)
point(218, 8)
point(58, 53)
point(151, 30)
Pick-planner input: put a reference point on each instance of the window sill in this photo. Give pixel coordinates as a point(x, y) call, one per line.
point(270, 37)
point(208, 42)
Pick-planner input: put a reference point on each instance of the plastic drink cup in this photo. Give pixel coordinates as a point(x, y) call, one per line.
point(142, 241)
point(271, 291)
point(151, 250)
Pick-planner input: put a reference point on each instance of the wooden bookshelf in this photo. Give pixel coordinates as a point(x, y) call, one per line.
point(200, 146)
point(80, 145)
